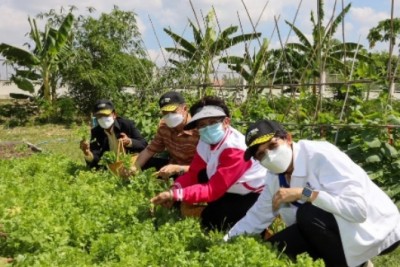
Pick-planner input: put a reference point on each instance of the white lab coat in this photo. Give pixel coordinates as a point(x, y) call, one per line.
point(368, 220)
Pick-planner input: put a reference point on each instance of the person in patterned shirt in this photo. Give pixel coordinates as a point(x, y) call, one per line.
point(171, 137)
point(218, 174)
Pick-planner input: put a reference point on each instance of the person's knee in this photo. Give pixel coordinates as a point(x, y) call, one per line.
point(213, 220)
point(207, 221)
point(304, 215)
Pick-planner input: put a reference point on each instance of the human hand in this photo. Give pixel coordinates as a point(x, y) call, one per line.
point(126, 141)
point(164, 199)
point(84, 146)
point(132, 170)
point(169, 170)
point(286, 195)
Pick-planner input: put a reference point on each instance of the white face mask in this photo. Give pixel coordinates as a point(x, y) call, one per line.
point(277, 160)
point(173, 119)
point(106, 122)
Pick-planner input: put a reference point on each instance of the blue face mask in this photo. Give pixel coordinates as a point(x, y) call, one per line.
point(212, 134)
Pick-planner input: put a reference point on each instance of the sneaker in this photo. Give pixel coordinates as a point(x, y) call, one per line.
point(368, 264)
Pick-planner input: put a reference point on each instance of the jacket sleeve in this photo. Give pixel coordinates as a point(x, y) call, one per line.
point(230, 168)
point(138, 142)
point(257, 218)
point(96, 148)
point(191, 177)
point(342, 191)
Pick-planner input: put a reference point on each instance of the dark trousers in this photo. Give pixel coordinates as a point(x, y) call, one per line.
point(317, 233)
point(223, 213)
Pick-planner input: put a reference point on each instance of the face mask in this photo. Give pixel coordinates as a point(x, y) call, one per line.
point(173, 119)
point(277, 160)
point(106, 122)
point(212, 134)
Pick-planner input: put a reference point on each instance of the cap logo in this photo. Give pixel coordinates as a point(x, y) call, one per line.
point(102, 105)
point(166, 100)
point(251, 134)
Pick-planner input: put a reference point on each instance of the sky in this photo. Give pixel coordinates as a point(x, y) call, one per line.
point(174, 14)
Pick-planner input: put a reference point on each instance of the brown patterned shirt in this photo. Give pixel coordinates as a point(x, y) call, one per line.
point(181, 145)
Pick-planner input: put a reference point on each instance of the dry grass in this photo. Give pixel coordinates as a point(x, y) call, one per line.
point(50, 138)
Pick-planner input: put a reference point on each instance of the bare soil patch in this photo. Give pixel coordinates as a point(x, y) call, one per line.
point(15, 149)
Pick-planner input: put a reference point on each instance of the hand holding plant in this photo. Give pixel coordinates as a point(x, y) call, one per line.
point(126, 141)
point(164, 199)
point(84, 146)
point(83, 132)
point(169, 170)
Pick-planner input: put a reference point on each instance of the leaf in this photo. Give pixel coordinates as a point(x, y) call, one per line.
point(19, 96)
point(373, 159)
point(23, 84)
point(396, 164)
point(375, 143)
point(393, 119)
point(390, 151)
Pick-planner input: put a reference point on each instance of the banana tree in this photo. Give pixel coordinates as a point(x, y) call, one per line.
point(40, 66)
point(200, 54)
point(387, 30)
point(252, 68)
point(323, 52)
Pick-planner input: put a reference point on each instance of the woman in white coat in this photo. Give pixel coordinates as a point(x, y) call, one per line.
point(331, 207)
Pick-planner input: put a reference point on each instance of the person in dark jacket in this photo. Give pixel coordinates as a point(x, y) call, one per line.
point(110, 130)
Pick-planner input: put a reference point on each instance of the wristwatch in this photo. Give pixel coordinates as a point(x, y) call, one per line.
point(306, 194)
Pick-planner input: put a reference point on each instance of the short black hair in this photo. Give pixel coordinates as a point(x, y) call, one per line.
point(209, 101)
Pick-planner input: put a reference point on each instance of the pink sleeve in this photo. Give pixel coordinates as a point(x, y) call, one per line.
point(190, 177)
point(230, 168)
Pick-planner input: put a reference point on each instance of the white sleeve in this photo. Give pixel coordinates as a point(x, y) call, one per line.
point(342, 189)
point(257, 218)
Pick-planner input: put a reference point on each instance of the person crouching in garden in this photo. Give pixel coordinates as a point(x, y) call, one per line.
point(218, 174)
point(331, 207)
point(172, 138)
point(110, 130)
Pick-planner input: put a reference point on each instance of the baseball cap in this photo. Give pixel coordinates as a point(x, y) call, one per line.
point(103, 107)
point(170, 101)
point(260, 132)
point(209, 111)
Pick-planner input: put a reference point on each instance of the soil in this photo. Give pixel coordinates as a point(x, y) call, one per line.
point(10, 150)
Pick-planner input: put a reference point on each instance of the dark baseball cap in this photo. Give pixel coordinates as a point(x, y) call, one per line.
point(260, 132)
point(103, 107)
point(170, 101)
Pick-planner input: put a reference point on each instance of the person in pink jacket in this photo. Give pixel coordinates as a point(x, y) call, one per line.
point(218, 173)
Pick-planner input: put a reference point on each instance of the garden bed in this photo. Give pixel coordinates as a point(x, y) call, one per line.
point(15, 149)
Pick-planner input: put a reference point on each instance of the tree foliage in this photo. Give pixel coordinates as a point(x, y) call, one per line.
point(199, 56)
point(323, 52)
point(383, 32)
point(41, 65)
point(253, 68)
point(109, 57)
